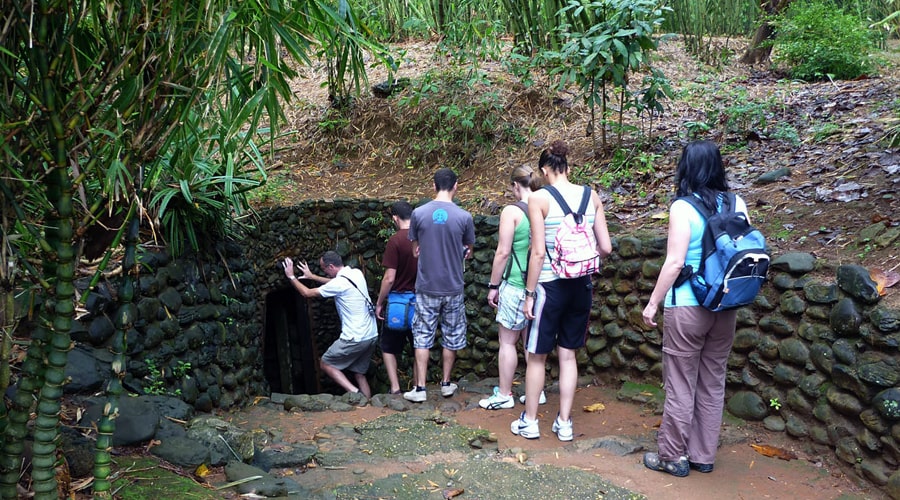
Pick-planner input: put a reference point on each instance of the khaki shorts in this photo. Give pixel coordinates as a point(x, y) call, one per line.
point(351, 356)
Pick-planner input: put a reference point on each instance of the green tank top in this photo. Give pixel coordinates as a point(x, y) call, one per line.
point(518, 258)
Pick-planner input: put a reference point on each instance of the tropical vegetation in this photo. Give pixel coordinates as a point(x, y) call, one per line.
point(128, 122)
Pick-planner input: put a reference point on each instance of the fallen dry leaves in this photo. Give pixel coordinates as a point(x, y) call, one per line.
point(774, 451)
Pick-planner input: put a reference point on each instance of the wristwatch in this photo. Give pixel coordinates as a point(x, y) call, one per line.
point(492, 286)
point(530, 293)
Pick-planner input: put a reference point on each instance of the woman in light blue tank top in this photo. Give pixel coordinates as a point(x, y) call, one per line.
point(696, 341)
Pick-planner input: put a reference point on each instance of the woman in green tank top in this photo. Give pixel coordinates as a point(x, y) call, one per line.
point(506, 290)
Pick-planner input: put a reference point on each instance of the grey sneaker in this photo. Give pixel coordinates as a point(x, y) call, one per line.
point(541, 400)
point(562, 429)
point(678, 468)
point(448, 389)
point(416, 395)
point(528, 429)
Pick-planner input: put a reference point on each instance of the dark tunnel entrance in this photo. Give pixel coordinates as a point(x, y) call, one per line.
point(289, 356)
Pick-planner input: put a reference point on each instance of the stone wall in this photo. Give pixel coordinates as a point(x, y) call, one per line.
point(815, 357)
point(196, 334)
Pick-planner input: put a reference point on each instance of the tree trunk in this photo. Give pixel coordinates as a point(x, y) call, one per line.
point(757, 52)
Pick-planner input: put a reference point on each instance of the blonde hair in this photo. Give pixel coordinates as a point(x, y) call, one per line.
point(524, 176)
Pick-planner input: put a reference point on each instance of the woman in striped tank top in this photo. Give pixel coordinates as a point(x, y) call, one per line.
point(558, 307)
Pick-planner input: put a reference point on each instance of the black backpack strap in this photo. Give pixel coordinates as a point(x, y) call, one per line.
point(368, 300)
point(729, 202)
point(698, 205)
point(584, 201)
point(559, 199)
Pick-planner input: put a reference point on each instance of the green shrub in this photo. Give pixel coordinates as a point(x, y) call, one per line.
point(815, 40)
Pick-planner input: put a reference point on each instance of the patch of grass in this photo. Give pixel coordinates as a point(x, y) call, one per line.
point(742, 113)
point(450, 113)
point(644, 394)
point(272, 192)
point(403, 434)
point(822, 131)
point(625, 165)
point(334, 121)
point(784, 233)
point(787, 133)
point(816, 41)
point(141, 478)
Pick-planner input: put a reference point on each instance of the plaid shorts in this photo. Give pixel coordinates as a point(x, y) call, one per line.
point(448, 312)
point(511, 307)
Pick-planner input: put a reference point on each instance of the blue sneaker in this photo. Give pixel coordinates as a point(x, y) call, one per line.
point(704, 468)
point(678, 468)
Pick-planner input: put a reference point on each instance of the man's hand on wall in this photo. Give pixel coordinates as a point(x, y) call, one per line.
point(288, 266)
point(304, 270)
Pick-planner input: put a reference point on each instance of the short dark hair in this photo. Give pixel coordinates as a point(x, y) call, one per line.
point(332, 258)
point(700, 170)
point(402, 209)
point(445, 179)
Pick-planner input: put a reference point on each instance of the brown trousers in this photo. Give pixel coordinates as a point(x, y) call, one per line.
point(696, 344)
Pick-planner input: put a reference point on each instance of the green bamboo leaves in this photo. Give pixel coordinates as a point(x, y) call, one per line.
point(166, 109)
point(617, 42)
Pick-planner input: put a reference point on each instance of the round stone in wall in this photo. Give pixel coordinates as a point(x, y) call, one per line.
point(747, 405)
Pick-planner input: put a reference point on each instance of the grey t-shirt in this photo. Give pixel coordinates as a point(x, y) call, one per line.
point(442, 230)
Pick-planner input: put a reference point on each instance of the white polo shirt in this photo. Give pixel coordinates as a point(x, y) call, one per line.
point(356, 322)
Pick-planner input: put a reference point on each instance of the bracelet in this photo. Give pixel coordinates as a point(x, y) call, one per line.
point(530, 293)
point(492, 286)
point(293, 278)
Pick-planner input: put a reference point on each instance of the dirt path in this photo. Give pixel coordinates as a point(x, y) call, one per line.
point(740, 471)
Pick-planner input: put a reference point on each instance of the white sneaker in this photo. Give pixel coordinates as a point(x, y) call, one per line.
point(415, 395)
point(541, 400)
point(528, 429)
point(497, 401)
point(562, 429)
point(448, 389)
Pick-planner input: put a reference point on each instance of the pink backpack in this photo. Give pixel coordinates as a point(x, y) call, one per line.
point(575, 245)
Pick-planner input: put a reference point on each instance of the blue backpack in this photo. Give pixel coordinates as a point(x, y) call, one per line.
point(734, 259)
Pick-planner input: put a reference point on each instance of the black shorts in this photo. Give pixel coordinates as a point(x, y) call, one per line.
point(562, 311)
point(394, 341)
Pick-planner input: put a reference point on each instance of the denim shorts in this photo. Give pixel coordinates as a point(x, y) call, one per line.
point(510, 310)
point(448, 312)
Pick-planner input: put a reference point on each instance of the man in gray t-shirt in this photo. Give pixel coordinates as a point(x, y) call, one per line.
point(442, 235)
